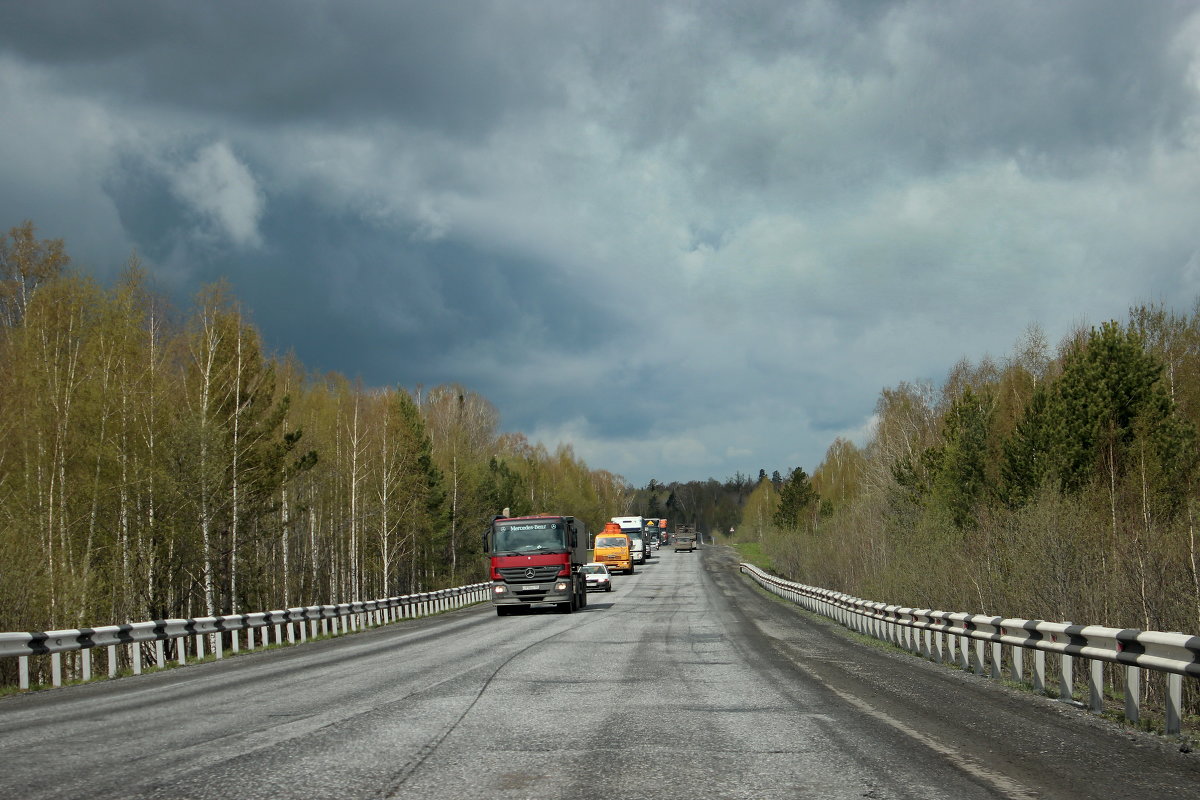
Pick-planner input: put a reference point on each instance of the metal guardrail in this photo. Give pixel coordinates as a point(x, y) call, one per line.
point(292, 623)
point(964, 639)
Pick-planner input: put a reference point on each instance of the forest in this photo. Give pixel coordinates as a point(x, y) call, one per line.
point(159, 463)
point(1056, 484)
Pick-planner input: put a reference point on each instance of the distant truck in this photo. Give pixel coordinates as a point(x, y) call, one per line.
point(684, 538)
point(537, 560)
point(613, 549)
point(634, 528)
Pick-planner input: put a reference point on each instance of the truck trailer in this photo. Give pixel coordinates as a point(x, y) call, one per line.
point(684, 538)
point(536, 560)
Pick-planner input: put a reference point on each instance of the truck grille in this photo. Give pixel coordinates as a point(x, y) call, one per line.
point(538, 574)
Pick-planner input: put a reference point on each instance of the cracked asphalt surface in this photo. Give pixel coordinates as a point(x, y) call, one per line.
point(686, 681)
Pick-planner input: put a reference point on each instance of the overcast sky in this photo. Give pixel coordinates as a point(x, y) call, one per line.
point(688, 238)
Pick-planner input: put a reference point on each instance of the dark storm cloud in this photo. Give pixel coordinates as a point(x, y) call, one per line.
point(689, 237)
point(908, 89)
point(455, 67)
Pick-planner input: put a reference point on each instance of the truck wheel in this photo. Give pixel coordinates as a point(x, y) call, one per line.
point(503, 611)
point(631, 569)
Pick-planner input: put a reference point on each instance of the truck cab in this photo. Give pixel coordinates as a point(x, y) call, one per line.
point(613, 549)
point(537, 560)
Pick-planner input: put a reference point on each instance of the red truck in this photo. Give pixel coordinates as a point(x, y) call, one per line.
point(536, 560)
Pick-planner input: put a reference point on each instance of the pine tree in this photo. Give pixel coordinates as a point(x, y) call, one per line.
point(960, 482)
point(796, 499)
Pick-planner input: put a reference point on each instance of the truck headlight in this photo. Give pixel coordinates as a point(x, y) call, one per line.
point(561, 586)
point(499, 589)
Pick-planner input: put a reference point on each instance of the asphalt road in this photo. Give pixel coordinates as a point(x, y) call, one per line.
point(686, 681)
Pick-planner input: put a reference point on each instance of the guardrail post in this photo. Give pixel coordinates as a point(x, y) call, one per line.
point(1133, 694)
point(977, 657)
point(23, 672)
point(1096, 685)
point(1066, 678)
point(56, 669)
point(160, 655)
point(1174, 703)
point(218, 646)
point(1018, 664)
point(200, 646)
point(997, 660)
point(135, 650)
point(85, 658)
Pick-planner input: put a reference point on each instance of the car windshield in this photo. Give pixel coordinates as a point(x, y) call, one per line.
point(594, 569)
point(528, 536)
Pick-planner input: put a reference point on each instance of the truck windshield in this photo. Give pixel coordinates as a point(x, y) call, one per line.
point(611, 541)
point(525, 537)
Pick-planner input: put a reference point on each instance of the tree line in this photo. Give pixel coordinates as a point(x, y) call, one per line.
point(160, 463)
point(1056, 484)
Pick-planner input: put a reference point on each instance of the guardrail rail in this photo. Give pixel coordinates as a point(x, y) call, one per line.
point(964, 639)
point(209, 633)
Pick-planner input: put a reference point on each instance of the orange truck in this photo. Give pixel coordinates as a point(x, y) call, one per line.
point(612, 549)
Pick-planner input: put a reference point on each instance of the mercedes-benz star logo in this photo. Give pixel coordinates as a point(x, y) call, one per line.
point(530, 573)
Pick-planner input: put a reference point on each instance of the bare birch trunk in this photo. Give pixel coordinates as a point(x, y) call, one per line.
point(312, 542)
point(1194, 559)
point(285, 523)
point(211, 339)
point(237, 444)
point(385, 479)
point(355, 584)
